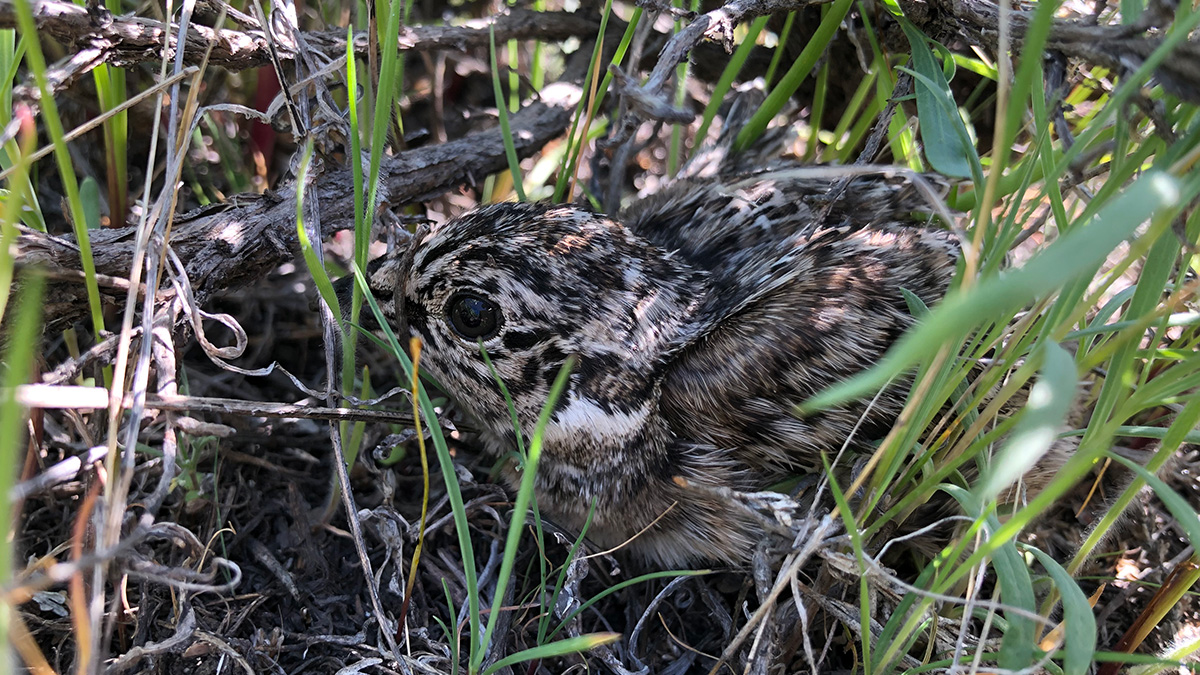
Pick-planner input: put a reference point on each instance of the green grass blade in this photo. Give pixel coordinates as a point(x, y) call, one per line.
point(1077, 252)
point(675, 151)
point(508, 400)
point(510, 151)
point(784, 34)
point(1016, 586)
point(1026, 82)
point(66, 169)
point(721, 89)
point(315, 269)
point(1183, 512)
point(362, 226)
point(110, 91)
point(445, 463)
point(380, 123)
point(1145, 298)
point(355, 135)
point(667, 574)
point(1049, 401)
point(795, 75)
point(856, 544)
point(19, 357)
point(13, 203)
point(583, 112)
point(573, 645)
point(520, 508)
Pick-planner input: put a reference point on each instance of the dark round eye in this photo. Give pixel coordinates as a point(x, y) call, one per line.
point(473, 317)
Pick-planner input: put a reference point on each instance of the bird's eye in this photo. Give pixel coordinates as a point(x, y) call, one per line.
point(473, 317)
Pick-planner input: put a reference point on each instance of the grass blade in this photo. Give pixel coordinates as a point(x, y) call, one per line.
point(520, 508)
point(562, 647)
point(795, 75)
point(510, 151)
point(1049, 401)
point(1076, 253)
point(1078, 618)
point(18, 356)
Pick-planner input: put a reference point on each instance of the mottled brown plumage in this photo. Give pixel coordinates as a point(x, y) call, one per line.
point(700, 318)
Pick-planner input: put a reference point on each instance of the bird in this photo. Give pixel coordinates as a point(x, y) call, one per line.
point(696, 320)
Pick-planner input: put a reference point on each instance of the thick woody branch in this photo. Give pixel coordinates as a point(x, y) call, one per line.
point(1120, 47)
point(127, 40)
point(236, 244)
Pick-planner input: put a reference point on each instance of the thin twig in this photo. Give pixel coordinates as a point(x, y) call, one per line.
point(126, 41)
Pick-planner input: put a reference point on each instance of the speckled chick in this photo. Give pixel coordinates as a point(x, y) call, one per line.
point(699, 319)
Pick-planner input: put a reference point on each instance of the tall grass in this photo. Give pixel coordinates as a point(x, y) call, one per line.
point(1040, 325)
point(49, 114)
point(1033, 323)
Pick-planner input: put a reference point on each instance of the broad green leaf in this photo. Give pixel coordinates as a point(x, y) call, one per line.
point(946, 141)
point(1047, 407)
point(1079, 622)
point(89, 194)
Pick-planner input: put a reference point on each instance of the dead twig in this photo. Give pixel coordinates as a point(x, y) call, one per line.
point(236, 244)
point(649, 100)
point(51, 397)
point(1120, 47)
point(99, 37)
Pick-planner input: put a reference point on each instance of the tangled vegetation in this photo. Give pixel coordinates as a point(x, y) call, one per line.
point(247, 488)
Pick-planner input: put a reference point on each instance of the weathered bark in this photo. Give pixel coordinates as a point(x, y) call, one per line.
point(232, 245)
point(127, 40)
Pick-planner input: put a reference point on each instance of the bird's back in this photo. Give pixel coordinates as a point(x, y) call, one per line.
point(804, 290)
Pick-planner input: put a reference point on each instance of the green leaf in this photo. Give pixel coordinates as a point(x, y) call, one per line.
point(1079, 622)
point(573, 645)
point(1047, 407)
point(89, 195)
point(945, 136)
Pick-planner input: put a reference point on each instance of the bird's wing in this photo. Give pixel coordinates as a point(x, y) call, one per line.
point(793, 308)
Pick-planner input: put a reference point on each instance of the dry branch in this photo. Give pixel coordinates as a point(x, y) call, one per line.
point(1120, 47)
point(235, 244)
point(127, 40)
point(648, 101)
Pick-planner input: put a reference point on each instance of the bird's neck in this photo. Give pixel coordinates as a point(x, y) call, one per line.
point(592, 452)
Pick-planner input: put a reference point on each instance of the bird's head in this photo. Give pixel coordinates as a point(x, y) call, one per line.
point(534, 284)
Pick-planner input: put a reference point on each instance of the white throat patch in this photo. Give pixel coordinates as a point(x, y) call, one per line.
point(583, 418)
